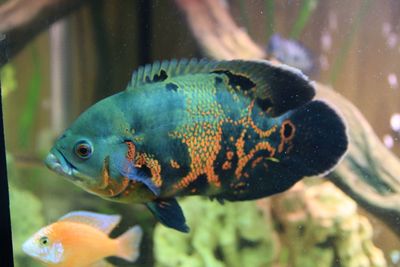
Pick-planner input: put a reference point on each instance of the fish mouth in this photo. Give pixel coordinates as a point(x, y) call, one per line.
point(26, 247)
point(58, 163)
point(55, 161)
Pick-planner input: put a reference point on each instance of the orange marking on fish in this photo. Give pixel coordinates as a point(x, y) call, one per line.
point(245, 158)
point(143, 159)
point(140, 160)
point(174, 164)
point(108, 186)
point(238, 185)
point(203, 140)
point(203, 152)
point(240, 144)
point(227, 165)
point(261, 133)
point(286, 139)
point(229, 155)
point(130, 155)
point(155, 169)
point(256, 161)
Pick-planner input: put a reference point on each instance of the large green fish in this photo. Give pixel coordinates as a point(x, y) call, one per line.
point(231, 130)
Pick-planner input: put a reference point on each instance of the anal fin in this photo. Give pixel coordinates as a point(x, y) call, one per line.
point(169, 213)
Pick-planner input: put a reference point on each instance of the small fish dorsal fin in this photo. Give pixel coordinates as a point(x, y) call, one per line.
point(275, 89)
point(105, 223)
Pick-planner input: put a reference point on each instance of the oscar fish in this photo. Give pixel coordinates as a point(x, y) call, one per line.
point(231, 130)
point(80, 239)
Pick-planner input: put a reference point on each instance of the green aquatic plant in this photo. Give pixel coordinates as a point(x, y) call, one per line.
point(30, 107)
point(8, 80)
point(320, 224)
point(270, 17)
point(243, 14)
point(233, 234)
point(306, 10)
point(26, 215)
point(345, 47)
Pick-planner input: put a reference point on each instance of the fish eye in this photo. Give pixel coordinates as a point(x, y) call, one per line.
point(83, 149)
point(44, 241)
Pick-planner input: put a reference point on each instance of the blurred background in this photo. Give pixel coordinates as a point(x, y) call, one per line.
point(353, 46)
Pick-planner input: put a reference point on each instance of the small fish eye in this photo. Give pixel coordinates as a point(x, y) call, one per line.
point(83, 149)
point(43, 241)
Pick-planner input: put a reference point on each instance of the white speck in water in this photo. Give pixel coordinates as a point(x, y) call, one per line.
point(395, 256)
point(386, 28)
point(326, 41)
point(388, 140)
point(333, 21)
point(323, 62)
point(392, 40)
point(392, 80)
point(395, 122)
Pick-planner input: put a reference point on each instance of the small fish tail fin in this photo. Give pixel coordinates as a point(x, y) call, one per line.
point(129, 242)
point(313, 139)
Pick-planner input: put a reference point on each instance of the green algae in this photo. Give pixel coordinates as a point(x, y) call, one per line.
point(233, 234)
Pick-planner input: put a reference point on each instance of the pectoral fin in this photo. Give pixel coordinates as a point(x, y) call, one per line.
point(169, 213)
point(127, 169)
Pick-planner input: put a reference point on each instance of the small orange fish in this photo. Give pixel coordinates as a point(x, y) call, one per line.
point(80, 239)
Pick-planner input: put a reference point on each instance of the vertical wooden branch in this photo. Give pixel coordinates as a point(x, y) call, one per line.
point(216, 32)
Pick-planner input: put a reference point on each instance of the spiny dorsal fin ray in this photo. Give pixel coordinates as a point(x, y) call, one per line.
point(276, 89)
point(169, 69)
point(103, 222)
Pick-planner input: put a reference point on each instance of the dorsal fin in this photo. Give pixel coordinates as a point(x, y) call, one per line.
point(160, 71)
point(105, 223)
point(275, 89)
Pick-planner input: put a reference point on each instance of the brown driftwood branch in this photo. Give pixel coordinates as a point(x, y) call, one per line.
point(370, 174)
point(21, 20)
point(217, 33)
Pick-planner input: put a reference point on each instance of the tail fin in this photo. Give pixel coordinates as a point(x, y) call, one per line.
point(312, 140)
point(319, 142)
point(129, 243)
